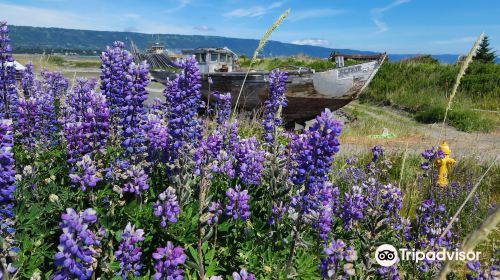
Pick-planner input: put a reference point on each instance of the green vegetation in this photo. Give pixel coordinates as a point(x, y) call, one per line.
point(427, 58)
point(423, 90)
point(61, 61)
point(291, 62)
point(56, 60)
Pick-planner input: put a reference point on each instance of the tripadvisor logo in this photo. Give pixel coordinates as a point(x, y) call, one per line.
point(387, 255)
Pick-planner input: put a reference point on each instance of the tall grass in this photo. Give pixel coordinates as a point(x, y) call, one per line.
point(460, 74)
point(261, 45)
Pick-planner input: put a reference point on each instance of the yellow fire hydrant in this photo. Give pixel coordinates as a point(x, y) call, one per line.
point(443, 164)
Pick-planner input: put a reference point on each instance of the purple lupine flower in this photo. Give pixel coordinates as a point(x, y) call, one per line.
point(56, 84)
point(223, 107)
point(391, 203)
point(46, 113)
point(7, 171)
point(207, 152)
point(277, 211)
point(390, 272)
point(328, 198)
point(237, 206)
point(167, 262)
point(167, 207)
point(249, 159)
point(476, 273)
point(430, 222)
point(116, 77)
point(132, 111)
point(157, 133)
point(137, 180)
point(338, 261)
point(215, 209)
point(243, 275)
point(8, 90)
point(220, 150)
point(124, 84)
point(473, 266)
point(276, 100)
point(311, 157)
point(377, 152)
point(183, 100)
point(85, 120)
point(28, 80)
point(352, 207)
point(313, 151)
point(28, 129)
point(78, 246)
point(128, 253)
point(85, 175)
point(429, 155)
point(128, 177)
point(156, 106)
point(7, 188)
point(330, 264)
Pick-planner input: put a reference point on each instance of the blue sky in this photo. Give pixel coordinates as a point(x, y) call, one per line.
point(395, 26)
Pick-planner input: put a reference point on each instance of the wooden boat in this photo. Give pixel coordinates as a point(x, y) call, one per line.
point(308, 92)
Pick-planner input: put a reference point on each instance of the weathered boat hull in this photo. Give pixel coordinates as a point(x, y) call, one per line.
point(308, 93)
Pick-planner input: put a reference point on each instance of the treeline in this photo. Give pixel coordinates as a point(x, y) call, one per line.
point(38, 50)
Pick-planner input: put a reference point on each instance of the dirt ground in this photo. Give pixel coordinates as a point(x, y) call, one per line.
point(483, 147)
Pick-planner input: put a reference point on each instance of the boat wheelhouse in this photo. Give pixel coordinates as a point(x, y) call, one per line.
point(213, 60)
point(156, 48)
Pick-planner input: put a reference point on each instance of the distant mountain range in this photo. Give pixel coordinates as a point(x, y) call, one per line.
point(27, 39)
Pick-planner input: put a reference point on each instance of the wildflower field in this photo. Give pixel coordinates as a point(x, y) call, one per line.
point(95, 184)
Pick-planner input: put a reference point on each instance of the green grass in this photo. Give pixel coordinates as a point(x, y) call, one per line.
point(62, 61)
point(423, 89)
point(370, 120)
point(86, 64)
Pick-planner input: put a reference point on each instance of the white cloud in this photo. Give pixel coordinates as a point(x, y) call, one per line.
point(254, 11)
point(276, 5)
point(180, 5)
point(25, 15)
point(204, 28)
point(312, 42)
point(314, 13)
point(33, 16)
point(248, 12)
point(381, 26)
point(377, 14)
point(469, 39)
point(389, 7)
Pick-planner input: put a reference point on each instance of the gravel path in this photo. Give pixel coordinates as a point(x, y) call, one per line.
point(481, 146)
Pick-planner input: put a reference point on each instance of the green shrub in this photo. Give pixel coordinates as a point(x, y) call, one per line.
point(469, 121)
point(87, 64)
point(462, 119)
point(431, 114)
point(56, 60)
